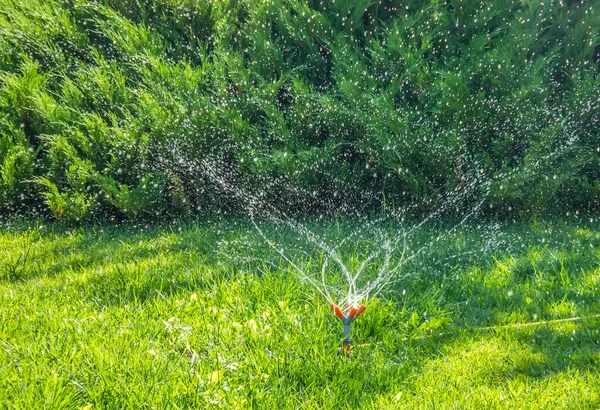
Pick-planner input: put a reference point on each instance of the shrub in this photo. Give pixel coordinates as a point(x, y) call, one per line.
point(117, 106)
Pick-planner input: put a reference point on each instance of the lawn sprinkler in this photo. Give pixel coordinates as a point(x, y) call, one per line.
point(347, 317)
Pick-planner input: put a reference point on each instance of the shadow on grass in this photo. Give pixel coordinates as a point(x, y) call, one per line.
point(561, 347)
point(46, 253)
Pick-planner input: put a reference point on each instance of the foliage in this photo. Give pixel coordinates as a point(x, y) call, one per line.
point(342, 103)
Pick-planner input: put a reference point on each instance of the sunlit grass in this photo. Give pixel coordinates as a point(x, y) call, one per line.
point(206, 316)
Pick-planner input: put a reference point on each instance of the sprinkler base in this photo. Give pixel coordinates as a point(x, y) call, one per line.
point(344, 352)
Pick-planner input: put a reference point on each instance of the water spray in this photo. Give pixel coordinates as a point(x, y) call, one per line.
point(347, 317)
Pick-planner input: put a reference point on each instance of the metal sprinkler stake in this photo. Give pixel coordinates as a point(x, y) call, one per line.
point(352, 312)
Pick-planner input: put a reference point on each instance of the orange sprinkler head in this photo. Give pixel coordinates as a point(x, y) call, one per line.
point(356, 311)
point(351, 313)
point(336, 309)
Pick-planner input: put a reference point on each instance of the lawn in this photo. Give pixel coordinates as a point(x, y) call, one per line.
point(206, 315)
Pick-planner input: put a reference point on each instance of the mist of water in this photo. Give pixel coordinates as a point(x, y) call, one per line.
point(389, 254)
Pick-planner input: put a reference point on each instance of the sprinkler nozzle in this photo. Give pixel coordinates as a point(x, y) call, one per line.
point(351, 313)
point(347, 317)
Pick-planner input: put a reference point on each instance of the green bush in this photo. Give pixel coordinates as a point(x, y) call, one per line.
point(117, 108)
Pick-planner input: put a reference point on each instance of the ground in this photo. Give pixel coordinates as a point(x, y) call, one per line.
point(206, 315)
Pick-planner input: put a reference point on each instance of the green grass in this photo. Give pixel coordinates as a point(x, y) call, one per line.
point(206, 316)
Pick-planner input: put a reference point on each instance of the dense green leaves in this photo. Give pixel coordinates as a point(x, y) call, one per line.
point(336, 104)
